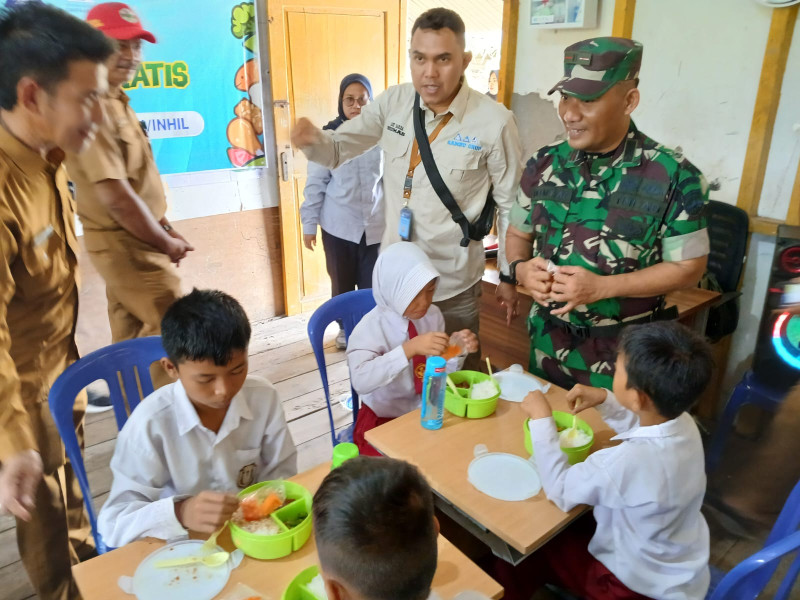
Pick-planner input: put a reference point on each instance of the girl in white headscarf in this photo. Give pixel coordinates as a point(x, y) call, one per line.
point(387, 350)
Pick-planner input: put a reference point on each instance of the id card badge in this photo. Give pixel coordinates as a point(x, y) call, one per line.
point(406, 220)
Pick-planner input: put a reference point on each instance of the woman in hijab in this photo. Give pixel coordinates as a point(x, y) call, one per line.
point(494, 84)
point(347, 204)
point(387, 350)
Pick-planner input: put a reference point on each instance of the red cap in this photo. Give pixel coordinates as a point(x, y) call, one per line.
point(118, 22)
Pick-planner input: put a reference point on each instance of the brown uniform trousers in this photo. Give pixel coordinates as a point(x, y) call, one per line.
point(140, 281)
point(38, 311)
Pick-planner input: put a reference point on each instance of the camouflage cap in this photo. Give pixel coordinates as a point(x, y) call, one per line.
point(592, 66)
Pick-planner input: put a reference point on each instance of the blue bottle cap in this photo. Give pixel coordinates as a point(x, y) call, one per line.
point(435, 363)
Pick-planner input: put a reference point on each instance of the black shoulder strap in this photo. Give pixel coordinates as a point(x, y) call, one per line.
point(434, 176)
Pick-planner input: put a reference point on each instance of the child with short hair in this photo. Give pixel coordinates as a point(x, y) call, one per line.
point(375, 531)
point(191, 445)
point(650, 541)
point(387, 350)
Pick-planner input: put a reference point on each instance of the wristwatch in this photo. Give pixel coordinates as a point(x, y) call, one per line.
point(167, 227)
point(512, 273)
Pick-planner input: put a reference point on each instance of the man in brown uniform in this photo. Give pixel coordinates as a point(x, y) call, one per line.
point(121, 201)
point(52, 75)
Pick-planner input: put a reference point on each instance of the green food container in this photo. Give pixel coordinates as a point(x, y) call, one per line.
point(297, 590)
point(461, 405)
point(283, 544)
point(342, 452)
point(563, 421)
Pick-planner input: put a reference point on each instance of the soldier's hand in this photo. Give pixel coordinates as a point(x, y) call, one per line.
point(576, 286)
point(581, 397)
point(206, 512)
point(304, 133)
point(536, 406)
point(536, 279)
point(508, 297)
point(19, 477)
point(310, 240)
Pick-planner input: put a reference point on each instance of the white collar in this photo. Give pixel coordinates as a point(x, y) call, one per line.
point(188, 418)
point(671, 428)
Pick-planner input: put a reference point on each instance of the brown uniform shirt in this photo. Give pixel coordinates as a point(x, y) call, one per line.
point(38, 295)
point(120, 151)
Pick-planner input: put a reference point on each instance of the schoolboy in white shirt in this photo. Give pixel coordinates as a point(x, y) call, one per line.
point(190, 446)
point(650, 541)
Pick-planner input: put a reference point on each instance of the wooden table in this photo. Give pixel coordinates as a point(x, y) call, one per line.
point(511, 529)
point(97, 578)
point(511, 345)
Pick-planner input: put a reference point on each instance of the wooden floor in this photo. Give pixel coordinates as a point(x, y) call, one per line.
point(280, 352)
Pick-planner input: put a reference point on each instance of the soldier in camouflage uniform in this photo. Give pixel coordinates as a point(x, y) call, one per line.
point(605, 224)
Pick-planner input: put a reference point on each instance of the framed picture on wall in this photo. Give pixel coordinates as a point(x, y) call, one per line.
point(564, 14)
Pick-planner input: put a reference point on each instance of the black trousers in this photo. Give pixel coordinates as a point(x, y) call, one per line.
point(349, 264)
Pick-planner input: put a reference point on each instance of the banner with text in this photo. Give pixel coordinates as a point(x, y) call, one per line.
point(198, 89)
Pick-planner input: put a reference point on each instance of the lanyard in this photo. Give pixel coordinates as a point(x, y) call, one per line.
point(416, 158)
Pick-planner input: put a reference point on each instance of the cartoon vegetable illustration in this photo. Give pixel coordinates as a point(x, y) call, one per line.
point(241, 134)
point(247, 75)
point(243, 24)
point(250, 112)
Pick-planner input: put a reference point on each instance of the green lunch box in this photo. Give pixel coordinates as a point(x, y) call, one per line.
point(564, 420)
point(283, 544)
point(461, 405)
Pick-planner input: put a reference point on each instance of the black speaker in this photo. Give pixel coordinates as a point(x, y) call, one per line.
point(777, 353)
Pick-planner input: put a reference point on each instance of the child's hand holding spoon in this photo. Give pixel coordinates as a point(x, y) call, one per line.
point(581, 397)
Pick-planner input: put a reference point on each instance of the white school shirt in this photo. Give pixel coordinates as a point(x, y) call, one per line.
point(477, 149)
point(646, 493)
point(165, 454)
point(379, 371)
point(346, 202)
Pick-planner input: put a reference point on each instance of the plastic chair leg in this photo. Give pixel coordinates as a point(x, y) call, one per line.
point(740, 397)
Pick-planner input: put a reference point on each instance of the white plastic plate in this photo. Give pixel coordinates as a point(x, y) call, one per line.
point(515, 384)
point(192, 582)
point(503, 476)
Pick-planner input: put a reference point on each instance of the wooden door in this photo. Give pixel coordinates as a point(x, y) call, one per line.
point(312, 46)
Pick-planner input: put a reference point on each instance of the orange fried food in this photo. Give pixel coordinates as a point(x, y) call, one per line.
point(451, 352)
point(254, 509)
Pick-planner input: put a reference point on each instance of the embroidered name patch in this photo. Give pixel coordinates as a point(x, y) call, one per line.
point(465, 141)
point(395, 128)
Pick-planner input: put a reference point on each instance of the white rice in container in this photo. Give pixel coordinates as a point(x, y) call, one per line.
point(317, 587)
point(483, 390)
point(265, 526)
point(573, 438)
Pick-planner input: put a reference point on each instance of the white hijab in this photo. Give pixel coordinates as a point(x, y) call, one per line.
point(401, 272)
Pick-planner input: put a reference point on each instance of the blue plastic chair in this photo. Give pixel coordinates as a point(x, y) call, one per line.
point(126, 360)
point(748, 391)
point(347, 308)
point(747, 579)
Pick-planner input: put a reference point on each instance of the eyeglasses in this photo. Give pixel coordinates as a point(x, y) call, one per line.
point(349, 101)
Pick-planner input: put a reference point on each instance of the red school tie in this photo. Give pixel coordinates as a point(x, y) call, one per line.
point(417, 362)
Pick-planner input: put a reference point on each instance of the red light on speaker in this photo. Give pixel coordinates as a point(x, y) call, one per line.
point(790, 260)
point(776, 330)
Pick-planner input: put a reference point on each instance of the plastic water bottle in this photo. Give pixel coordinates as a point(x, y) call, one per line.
point(433, 386)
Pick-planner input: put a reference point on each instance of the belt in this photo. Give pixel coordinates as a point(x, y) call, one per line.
point(607, 331)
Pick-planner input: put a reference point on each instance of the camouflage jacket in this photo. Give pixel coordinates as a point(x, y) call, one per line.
point(612, 214)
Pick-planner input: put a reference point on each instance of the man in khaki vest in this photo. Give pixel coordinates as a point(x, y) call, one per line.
point(52, 76)
point(121, 201)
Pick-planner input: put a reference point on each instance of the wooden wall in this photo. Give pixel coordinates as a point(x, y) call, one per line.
point(239, 253)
